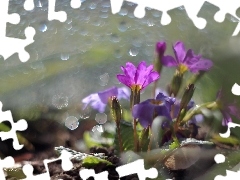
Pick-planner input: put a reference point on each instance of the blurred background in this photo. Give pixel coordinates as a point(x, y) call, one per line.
point(70, 60)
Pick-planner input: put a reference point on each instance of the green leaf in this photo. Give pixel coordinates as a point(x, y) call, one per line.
point(92, 161)
point(144, 139)
point(127, 136)
point(230, 140)
point(13, 173)
point(173, 145)
point(90, 141)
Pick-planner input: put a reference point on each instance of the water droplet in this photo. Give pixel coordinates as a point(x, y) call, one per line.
point(93, 6)
point(101, 118)
point(156, 13)
point(71, 123)
point(133, 52)
point(68, 26)
point(117, 53)
point(85, 113)
point(150, 22)
point(96, 22)
point(104, 9)
point(60, 101)
point(181, 8)
point(43, 27)
point(123, 12)
point(115, 38)
point(104, 15)
point(99, 128)
point(39, 4)
point(131, 15)
point(64, 56)
point(137, 42)
point(234, 19)
point(106, 4)
point(104, 78)
point(83, 32)
point(122, 26)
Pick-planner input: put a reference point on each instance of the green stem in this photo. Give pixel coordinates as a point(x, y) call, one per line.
point(135, 99)
point(198, 110)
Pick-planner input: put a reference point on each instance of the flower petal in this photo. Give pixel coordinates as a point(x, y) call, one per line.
point(203, 65)
point(142, 73)
point(233, 110)
point(226, 118)
point(124, 80)
point(163, 110)
point(99, 106)
point(94, 101)
point(179, 51)
point(129, 70)
point(153, 76)
point(123, 93)
point(191, 58)
point(169, 61)
point(144, 113)
point(105, 95)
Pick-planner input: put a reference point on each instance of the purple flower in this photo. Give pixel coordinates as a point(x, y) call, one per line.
point(176, 107)
point(160, 48)
point(137, 77)
point(147, 110)
point(99, 100)
point(186, 60)
point(227, 109)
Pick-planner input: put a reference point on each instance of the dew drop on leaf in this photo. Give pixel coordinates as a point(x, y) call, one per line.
point(71, 122)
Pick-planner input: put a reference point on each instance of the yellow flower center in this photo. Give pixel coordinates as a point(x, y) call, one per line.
point(136, 88)
point(156, 102)
point(182, 68)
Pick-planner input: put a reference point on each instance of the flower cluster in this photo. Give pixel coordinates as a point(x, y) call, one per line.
point(181, 114)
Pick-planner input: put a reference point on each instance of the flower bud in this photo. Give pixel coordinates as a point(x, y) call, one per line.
point(116, 109)
point(159, 51)
point(187, 96)
point(175, 84)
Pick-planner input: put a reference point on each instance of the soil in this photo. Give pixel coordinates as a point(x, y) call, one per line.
point(53, 134)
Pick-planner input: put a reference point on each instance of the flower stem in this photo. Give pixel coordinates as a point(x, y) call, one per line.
point(135, 99)
point(198, 110)
point(117, 116)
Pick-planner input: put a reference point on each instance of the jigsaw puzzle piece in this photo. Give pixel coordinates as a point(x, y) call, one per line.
point(9, 46)
point(224, 28)
point(66, 166)
point(53, 15)
point(5, 163)
point(225, 7)
point(28, 171)
point(87, 173)
point(137, 167)
point(20, 125)
point(5, 17)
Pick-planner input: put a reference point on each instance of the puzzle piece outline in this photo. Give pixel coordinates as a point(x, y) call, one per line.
point(20, 125)
point(192, 10)
point(9, 45)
